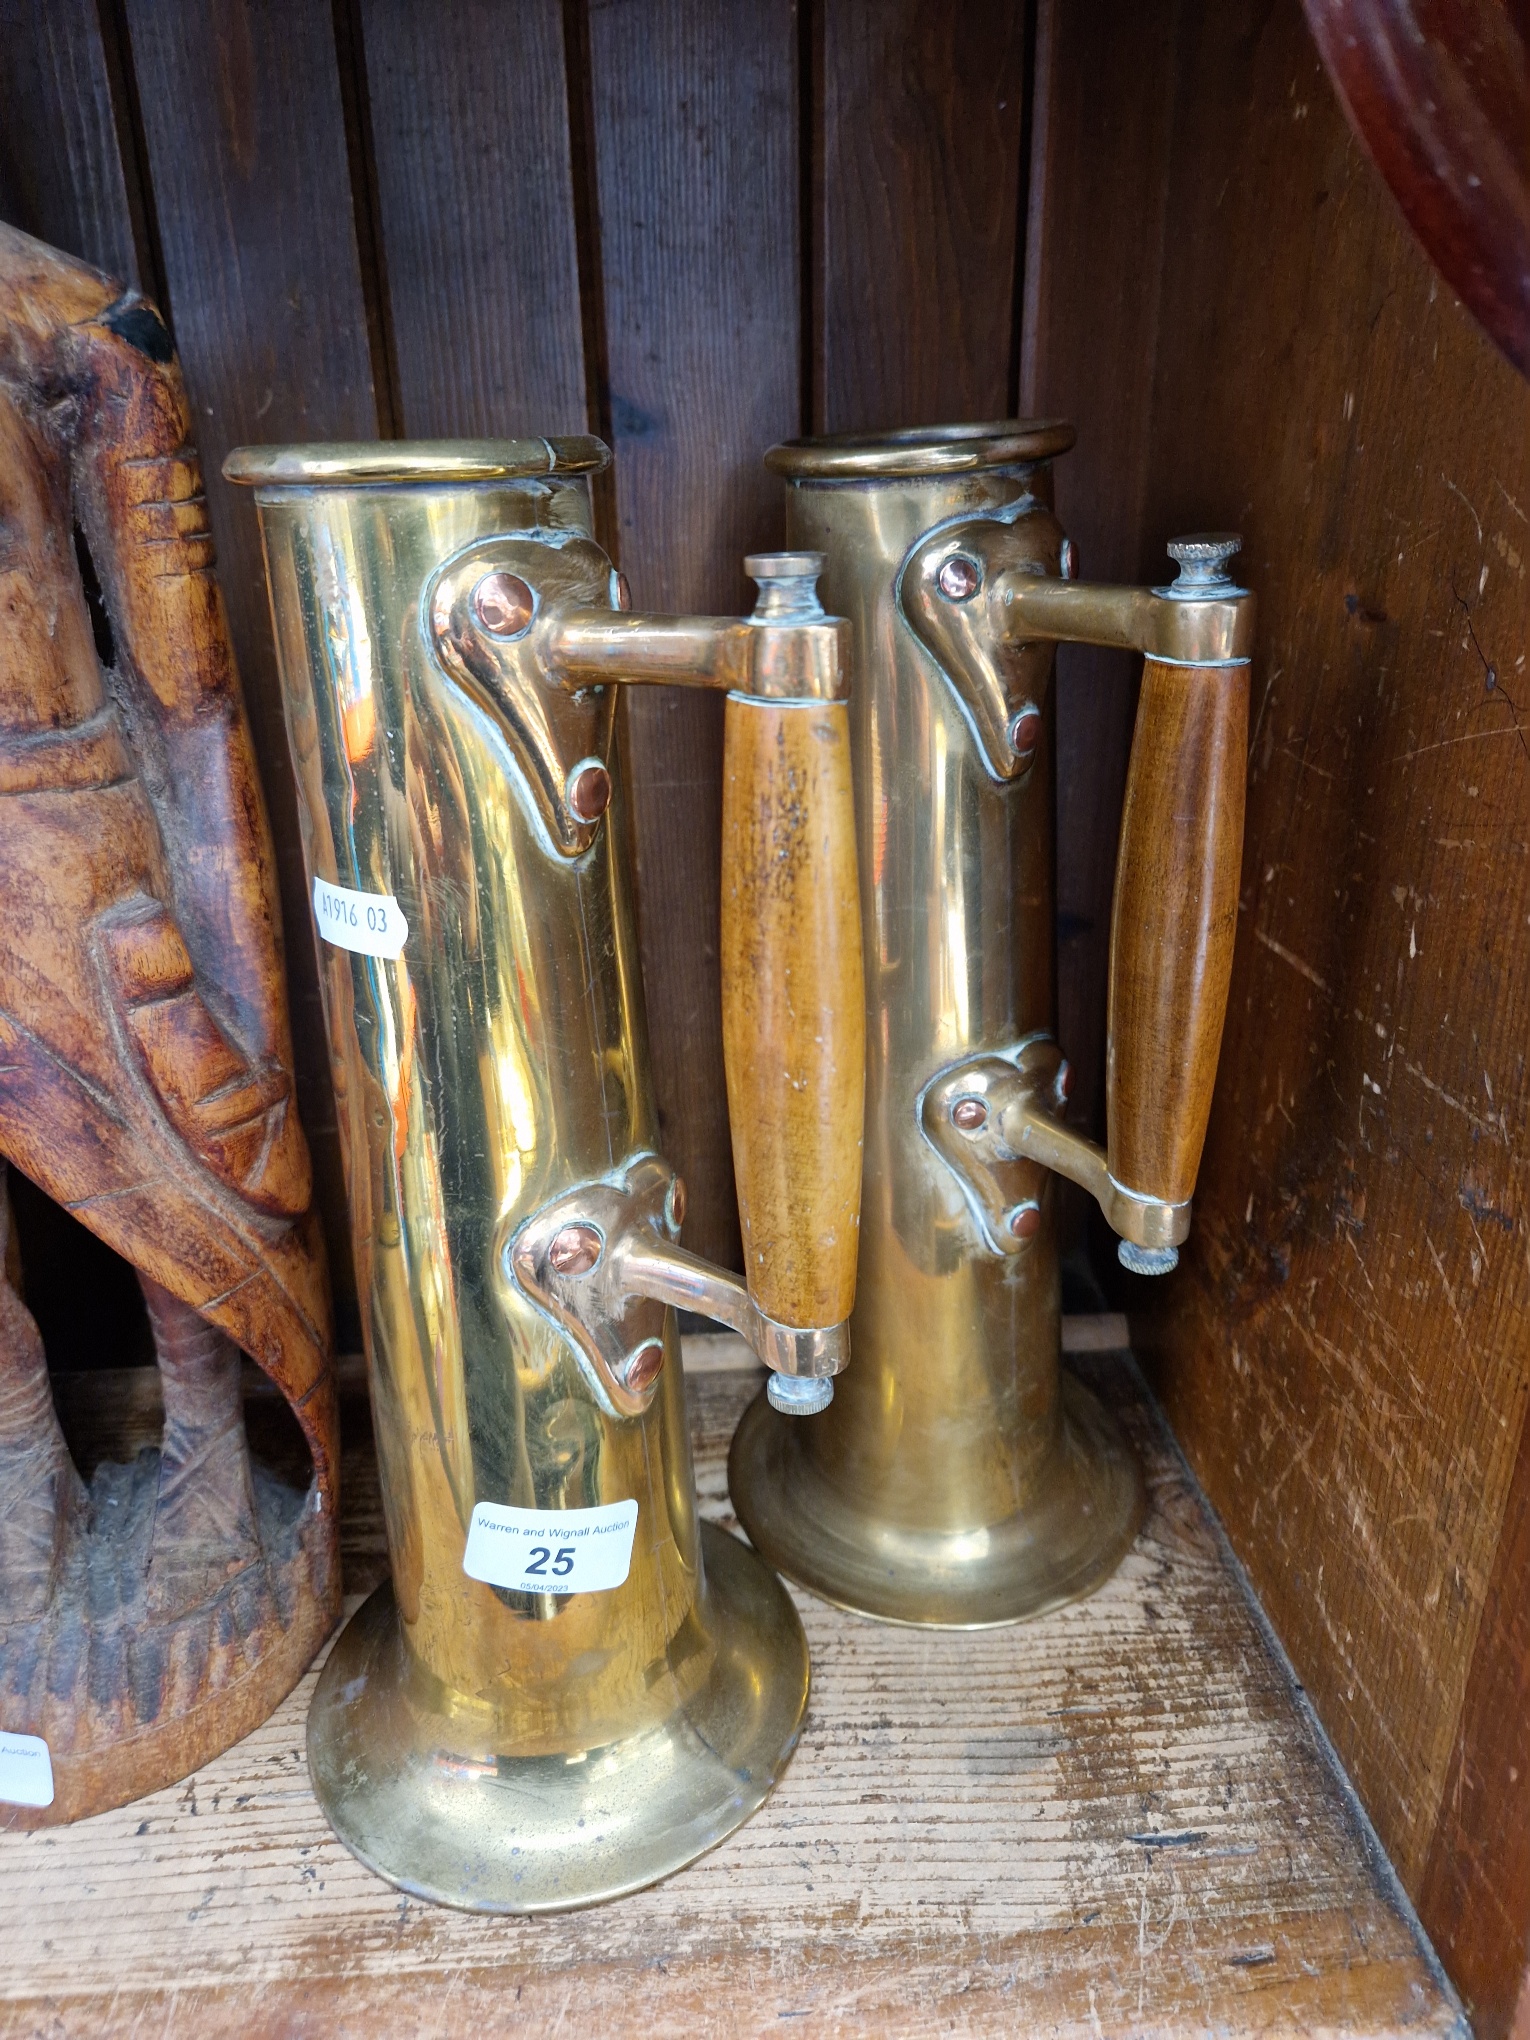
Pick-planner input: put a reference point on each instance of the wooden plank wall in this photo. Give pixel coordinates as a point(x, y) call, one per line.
point(690, 226)
point(1088, 338)
point(1224, 292)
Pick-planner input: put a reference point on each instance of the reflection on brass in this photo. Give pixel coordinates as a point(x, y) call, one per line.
point(515, 1228)
point(958, 1477)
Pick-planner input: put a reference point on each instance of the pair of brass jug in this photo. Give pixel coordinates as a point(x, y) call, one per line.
point(570, 1687)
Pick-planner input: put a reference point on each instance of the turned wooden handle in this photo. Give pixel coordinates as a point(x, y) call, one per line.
point(1173, 922)
point(794, 1004)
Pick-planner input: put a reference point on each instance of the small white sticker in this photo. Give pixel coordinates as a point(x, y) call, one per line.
point(26, 1770)
point(551, 1551)
point(371, 923)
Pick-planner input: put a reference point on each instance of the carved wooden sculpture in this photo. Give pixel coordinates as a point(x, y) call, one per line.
point(145, 1073)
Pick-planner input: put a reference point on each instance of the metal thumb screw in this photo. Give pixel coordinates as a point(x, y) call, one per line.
point(788, 584)
point(1202, 560)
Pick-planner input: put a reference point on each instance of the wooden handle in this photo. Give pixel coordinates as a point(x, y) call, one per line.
point(1173, 923)
point(794, 1004)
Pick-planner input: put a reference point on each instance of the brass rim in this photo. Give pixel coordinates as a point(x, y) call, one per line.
point(922, 450)
point(377, 463)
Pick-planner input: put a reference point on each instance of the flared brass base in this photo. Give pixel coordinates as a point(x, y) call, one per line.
point(1072, 1531)
point(503, 1834)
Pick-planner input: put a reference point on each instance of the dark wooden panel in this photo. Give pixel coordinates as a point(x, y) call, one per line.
point(1344, 1351)
point(246, 141)
point(470, 142)
point(64, 135)
point(1098, 185)
point(923, 107)
point(1476, 1887)
point(695, 119)
point(68, 176)
point(1444, 111)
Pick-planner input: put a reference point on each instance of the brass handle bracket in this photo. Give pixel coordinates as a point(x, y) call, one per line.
point(1202, 618)
point(491, 611)
point(790, 649)
point(996, 1122)
point(603, 1261)
point(990, 601)
point(537, 631)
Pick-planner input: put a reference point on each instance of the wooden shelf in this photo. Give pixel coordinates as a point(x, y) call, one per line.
point(1117, 1819)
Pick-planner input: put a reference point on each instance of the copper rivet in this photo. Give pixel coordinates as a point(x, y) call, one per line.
point(589, 792)
point(574, 1250)
point(1025, 1221)
point(959, 578)
point(969, 1114)
point(623, 593)
point(644, 1366)
point(675, 1203)
point(1025, 733)
point(1069, 561)
point(503, 604)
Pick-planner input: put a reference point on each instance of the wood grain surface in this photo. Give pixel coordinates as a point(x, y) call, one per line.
point(1115, 1819)
point(244, 127)
point(1343, 1350)
point(469, 140)
point(794, 1004)
point(1097, 189)
point(1174, 921)
point(695, 138)
point(67, 170)
point(918, 120)
point(1477, 1875)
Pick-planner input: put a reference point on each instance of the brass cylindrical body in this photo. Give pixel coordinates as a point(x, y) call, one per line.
point(495, 1061)
point(958, 1477)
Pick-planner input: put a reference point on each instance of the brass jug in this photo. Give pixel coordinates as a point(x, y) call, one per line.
point(568, 1689)
point(960, 1476)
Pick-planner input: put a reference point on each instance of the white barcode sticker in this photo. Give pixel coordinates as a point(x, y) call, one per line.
point(26, 1770)
point(371, 923)
point(551, 1551)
